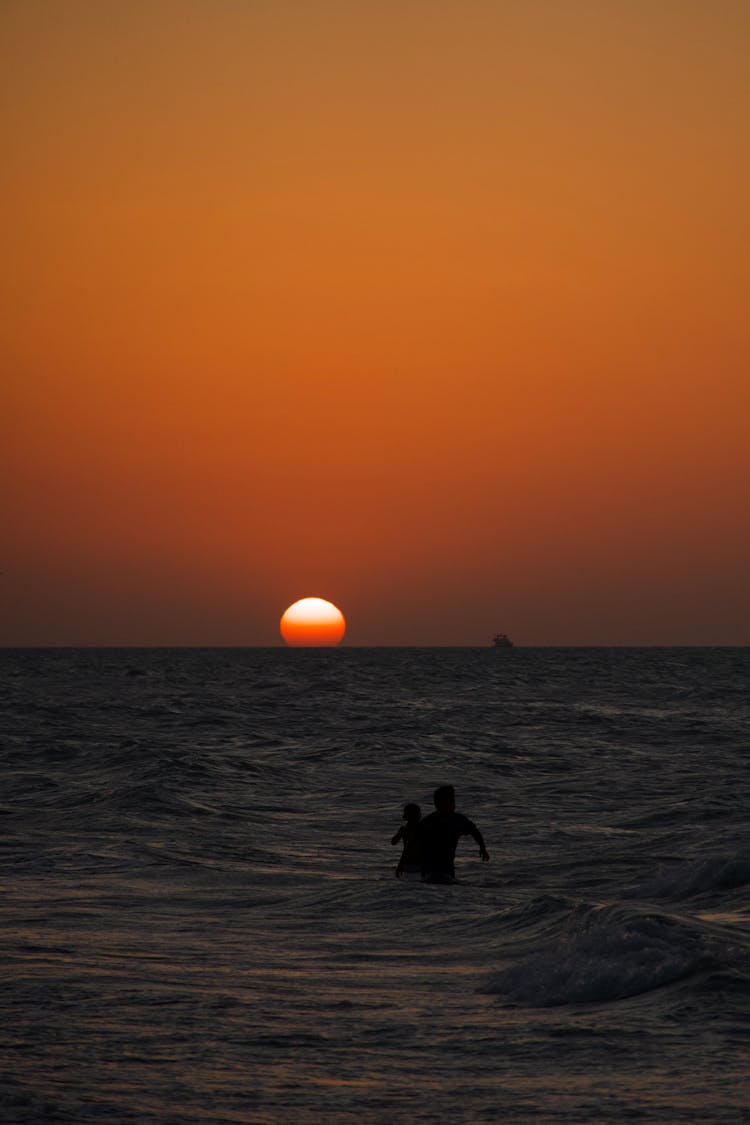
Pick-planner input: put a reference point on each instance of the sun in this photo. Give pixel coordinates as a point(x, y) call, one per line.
point(312, 622)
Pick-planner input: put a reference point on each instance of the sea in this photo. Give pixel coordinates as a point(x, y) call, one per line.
point(201, 921)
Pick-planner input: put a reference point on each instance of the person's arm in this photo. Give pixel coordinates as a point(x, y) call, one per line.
point(398, 835)
point(474, 831)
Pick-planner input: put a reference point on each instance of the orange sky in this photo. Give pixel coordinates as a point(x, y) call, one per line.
point(434, 308)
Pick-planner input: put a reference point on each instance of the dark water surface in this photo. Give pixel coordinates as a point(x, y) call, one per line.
point(200, 921)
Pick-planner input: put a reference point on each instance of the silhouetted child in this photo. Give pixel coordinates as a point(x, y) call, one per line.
point(411, 859)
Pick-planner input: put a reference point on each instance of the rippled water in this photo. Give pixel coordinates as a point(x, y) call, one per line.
point(200, 921)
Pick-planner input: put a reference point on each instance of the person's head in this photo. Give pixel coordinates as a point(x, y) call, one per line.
point(444, 798)
point(412, 813)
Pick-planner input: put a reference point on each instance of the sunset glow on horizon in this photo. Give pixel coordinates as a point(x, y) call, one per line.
point(442, 308)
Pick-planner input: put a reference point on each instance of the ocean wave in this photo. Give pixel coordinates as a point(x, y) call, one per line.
point(201, 919)
point(610, 958)
point(686, 879)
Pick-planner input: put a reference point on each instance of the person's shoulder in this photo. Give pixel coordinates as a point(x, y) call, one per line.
point(466, 824)
point(433, 822)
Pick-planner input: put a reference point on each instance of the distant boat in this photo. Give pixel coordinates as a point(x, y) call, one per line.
point(502, 640)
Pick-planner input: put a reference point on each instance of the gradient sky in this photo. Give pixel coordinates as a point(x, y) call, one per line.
point(434, 308)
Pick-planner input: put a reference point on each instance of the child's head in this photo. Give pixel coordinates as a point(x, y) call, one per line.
point(412, 812)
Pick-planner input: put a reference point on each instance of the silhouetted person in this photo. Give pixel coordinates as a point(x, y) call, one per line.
point(438, 835)
point(410, 857)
